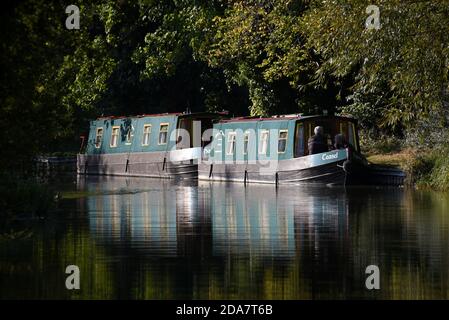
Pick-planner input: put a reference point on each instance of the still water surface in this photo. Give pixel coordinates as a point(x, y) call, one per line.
point(136, 238)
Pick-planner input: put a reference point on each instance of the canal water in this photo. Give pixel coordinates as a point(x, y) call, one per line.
point(137, 238)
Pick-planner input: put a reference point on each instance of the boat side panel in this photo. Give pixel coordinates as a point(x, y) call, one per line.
point(148, 164)
point(136, 125)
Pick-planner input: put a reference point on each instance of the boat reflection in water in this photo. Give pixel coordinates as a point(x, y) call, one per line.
point(170, 219)
point(126, 215)
point(220, 231)
point(266, 221)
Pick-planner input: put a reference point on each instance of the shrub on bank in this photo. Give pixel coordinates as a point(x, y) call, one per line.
point(375, 144)
point(429, 168)
point(418, 166)
point(422, 151)
point(439, 177)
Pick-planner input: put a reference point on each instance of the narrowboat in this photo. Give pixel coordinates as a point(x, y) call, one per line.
point(278, 150)
point(158, 145)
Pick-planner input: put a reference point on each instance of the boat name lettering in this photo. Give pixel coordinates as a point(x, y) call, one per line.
point(331, 156)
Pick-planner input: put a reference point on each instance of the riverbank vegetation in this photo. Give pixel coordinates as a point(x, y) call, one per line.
point(424, 169)
point(257, 57)
point(426, 165)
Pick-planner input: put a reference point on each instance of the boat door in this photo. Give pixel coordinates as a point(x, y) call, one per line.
point(184, 136)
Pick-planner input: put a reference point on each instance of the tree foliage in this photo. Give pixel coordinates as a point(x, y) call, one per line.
point(400, 71)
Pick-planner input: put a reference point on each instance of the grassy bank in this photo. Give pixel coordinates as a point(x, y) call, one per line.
point(431, 169)
point(425, 168)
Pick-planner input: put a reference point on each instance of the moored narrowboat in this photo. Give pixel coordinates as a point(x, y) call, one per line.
point(159, 145)
point(287, 149)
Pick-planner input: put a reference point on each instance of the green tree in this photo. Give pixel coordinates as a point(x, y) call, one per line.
point(400, 70)
point(31, 116)
point(260, 45)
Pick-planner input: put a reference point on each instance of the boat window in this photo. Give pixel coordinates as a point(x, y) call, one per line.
point(146, 134)
point(230, 147)
point(245, 142)
point(263, 142)
point(282, 141)
point(309, 126)
point(98, 137)
point(163, 132)
point(114, 136)
point(299, 140)
point(129, 136)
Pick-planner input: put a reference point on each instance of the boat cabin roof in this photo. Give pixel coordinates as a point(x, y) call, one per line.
point(167, 114)
point(286, 117)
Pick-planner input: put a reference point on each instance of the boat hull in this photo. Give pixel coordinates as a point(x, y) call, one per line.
point(325, 168)
point(324, 174)
point(143, 164)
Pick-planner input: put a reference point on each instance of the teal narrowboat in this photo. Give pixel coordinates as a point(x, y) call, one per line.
point(159, 145)
point(279, 150)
